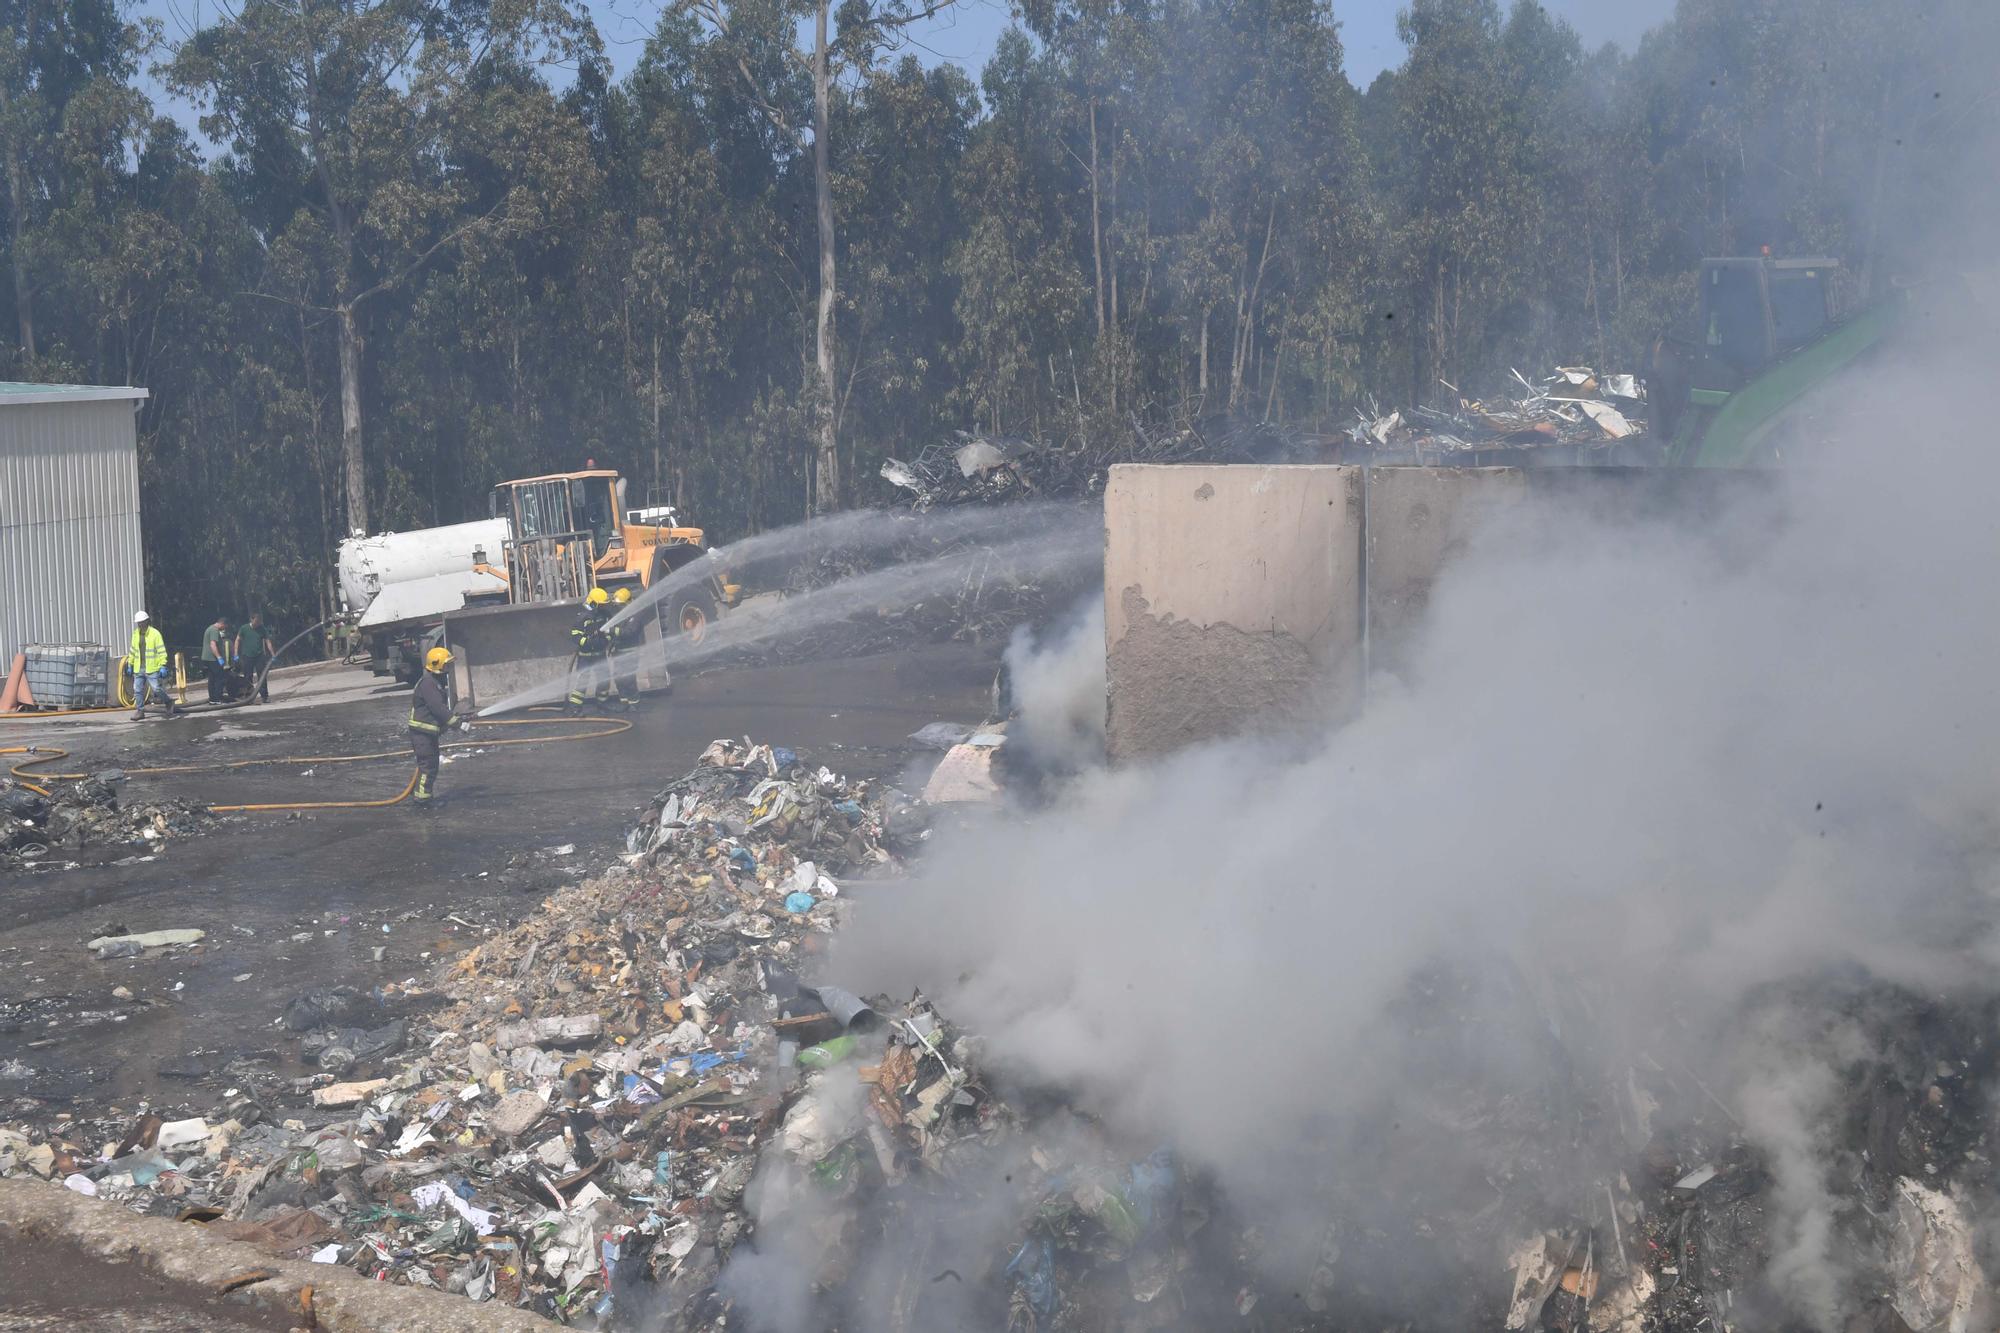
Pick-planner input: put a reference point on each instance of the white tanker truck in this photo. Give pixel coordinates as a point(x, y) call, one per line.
point(398, 585)
point(500, 589)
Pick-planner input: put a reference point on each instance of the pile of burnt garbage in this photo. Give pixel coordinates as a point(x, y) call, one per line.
point(649, 1105)
point(49, 828)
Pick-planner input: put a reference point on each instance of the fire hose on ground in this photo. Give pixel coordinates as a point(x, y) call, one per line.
point(28, 773)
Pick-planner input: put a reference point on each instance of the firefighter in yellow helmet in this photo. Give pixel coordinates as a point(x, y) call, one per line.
point(590, 677)
point(431, 715)
point(624, 636)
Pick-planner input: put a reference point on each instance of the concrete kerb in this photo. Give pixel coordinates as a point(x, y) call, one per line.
point(343, 1301)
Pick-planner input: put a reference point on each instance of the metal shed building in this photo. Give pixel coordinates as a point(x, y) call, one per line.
point(70, 564)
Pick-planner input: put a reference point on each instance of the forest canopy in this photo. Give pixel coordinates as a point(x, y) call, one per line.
point(419, 246)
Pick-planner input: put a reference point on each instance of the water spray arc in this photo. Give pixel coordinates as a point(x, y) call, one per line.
point(861, 531)
point(1058, 540)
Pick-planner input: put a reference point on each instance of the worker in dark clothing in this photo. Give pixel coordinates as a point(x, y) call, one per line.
point(215, 659)
point(253, 656)
point(590, 679)
point(431, 716)
point(625, 637)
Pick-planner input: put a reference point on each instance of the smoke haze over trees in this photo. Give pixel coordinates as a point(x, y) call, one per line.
point(436, 245)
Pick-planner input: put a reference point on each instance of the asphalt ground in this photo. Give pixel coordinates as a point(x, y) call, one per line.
point(292, 902)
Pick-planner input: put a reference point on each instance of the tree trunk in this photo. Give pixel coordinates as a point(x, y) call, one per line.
point(657, 479)
point(329, 539)
point(1201, 380)
point(1420, 300)
point(353, 462)
point(826, 496)
point(1236, 328)
point(1277, 369)
point(1872, 246)
point(1590, 291)
point(1111, 278)
point(24, 292)
point(1246, 312)
point(1617, 272)
point(1096, 228)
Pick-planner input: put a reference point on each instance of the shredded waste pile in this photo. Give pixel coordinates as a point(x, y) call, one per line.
point(44, 832)
point(1574, 407)
point(591, 1095)
point(647, 1106)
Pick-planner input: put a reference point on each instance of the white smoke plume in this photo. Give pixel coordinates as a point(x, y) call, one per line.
point(1639, 773)
point(1055, 681)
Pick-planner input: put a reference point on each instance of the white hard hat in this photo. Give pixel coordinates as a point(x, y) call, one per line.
point(138, 617)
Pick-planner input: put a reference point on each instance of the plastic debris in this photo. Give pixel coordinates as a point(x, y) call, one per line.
point(119, 946)
point(347, 1094)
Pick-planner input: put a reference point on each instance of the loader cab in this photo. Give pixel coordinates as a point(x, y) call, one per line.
point(566, 532)
point(566, 505)
point(1756, 311)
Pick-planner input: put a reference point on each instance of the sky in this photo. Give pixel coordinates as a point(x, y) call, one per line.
point(965, 33)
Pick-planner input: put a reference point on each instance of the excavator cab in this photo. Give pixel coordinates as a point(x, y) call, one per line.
point(1755, 311)
point(1770, 332)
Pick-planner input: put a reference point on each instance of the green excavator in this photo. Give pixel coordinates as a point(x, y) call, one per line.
point(1770, 333)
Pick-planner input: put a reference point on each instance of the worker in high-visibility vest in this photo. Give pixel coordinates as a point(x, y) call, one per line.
point(431, 716)
point(148, 658)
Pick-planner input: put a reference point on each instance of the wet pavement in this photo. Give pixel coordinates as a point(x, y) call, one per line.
point(306, 899)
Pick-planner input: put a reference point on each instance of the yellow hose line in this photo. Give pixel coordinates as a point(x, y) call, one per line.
point(399, 797)
point(44, 755)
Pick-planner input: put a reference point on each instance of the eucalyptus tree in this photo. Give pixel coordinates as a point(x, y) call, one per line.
point(341, 117)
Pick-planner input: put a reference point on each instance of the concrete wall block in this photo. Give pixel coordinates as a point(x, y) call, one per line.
point(1419, 520)
point(1251, 599)
point(1233, 601)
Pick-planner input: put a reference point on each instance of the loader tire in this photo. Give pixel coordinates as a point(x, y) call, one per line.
point(689, 612)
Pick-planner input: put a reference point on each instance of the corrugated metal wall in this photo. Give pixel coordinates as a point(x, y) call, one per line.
point(70, 564)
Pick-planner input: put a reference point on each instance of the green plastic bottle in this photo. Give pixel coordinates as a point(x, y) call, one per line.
point(829, 1052)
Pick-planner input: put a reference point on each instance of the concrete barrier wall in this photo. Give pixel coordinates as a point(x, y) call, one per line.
point(1251, 598)
point(1417, 520)
point(1232, 601)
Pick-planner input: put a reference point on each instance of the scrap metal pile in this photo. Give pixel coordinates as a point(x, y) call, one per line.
point(42, 832)
point(1575, 409)
point(988, 469)
point(991, 469)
